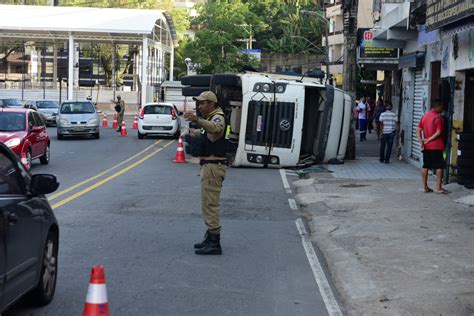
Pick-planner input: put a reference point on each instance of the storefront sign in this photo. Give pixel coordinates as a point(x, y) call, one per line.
point(442, 12)
point(378, 52)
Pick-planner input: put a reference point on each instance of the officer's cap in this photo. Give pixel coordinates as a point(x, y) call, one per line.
point(206, 96)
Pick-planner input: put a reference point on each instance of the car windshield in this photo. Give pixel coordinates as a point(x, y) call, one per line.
point(12, 122)
point(158, 109)
point(47, 104)
point(77, 108)
point(11, 102)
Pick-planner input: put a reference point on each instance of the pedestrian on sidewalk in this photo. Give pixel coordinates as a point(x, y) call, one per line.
point(212, 158)
point(370, 114)
point(430, 133)
point(362, 114)
point(379, 109)
point(388, 121)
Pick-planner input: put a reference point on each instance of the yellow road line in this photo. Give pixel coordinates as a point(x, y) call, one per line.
point(56, 195)
point(115, 175)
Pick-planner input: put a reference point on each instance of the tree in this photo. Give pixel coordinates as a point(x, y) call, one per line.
point(224, 27)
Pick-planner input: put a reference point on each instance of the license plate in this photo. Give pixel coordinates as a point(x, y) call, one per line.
point(78, 129)
point(157, 128)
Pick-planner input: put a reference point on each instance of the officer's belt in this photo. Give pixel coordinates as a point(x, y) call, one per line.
point(212, 162)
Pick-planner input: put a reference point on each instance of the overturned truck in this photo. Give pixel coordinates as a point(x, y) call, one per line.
point(278, 120)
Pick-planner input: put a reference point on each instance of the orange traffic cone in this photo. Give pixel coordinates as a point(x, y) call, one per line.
point(180, 152)
point(123, 130)
point(104, 121)
point(24, 161)
point(115, 123)
point(135, 123)
point(96, 301)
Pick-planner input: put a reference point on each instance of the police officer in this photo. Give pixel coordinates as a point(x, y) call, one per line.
point(120, 113)
point(212, 158)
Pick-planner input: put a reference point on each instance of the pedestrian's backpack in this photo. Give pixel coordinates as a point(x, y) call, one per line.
point(117, 107)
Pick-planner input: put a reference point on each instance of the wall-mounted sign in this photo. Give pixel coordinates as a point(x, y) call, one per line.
point(378, 52)
point(442, 12)
point(368, 36)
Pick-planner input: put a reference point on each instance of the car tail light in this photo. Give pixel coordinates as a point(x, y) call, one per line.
point(173, 115)
point(142, 113)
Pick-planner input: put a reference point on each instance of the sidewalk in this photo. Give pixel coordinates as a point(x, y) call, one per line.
point(392, 249)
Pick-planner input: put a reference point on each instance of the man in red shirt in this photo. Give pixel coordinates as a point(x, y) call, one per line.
point(430, 133)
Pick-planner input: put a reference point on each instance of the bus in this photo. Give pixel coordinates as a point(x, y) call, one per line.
point(278, 120)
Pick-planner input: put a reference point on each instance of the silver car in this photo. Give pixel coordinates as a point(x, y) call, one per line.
point(77, 118)
point(48, 109)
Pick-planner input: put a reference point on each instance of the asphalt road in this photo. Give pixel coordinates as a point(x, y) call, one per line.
point(140, 220)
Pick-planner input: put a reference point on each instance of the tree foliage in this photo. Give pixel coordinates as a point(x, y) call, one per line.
point(224, 27)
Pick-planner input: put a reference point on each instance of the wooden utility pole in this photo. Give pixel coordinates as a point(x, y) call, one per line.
point(350, 8)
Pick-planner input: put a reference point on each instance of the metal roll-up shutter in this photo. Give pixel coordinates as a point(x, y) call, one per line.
point(417, 114)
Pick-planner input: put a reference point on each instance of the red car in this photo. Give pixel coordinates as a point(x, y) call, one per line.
point(25, 133)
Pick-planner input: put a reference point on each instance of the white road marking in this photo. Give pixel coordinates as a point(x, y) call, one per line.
point(326, 292)
point(293, 205)
point(286, 185)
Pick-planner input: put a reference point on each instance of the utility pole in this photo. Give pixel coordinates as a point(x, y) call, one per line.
point(350, 8)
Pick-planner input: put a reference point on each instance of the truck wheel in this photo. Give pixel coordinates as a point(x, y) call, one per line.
point(464, 153)
point(465, 137)
point(193, 91)
point(226, 80)
point(466, 172)
point(466, 145)
point(465, 162)
point(197, 80)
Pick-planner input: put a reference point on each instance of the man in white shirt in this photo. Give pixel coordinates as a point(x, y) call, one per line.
point(388, 120)
point(362, 110)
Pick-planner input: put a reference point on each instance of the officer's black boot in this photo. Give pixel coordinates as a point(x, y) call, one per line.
point(203, 242)
point(212, 247)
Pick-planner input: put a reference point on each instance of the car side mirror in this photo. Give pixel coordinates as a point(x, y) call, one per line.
point(43, 183)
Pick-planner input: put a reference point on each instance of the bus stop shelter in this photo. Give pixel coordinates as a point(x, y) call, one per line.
point(151, 29)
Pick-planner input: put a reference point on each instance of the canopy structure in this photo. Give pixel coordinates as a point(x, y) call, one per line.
point(150, 28)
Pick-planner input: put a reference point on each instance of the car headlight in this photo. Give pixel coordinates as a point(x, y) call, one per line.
point(13, 142)
point(64, 122)
point(93, 121)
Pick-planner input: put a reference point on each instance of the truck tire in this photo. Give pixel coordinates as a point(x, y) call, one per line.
point(466, 145)
point(465, 137)
point(466, 172)
point(226, 80)
point(197, 80)
point(465, 180)
point(193, 91)
point(465, 162)
point(464, 153)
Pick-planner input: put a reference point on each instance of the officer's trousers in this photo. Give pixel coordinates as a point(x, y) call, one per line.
point(212, 177)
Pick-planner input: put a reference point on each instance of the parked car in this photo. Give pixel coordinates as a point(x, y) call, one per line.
point(24, 131)
point(48, 109)
point(159, 119)
point(77, 118)
point(10, 103)
point(29, 233)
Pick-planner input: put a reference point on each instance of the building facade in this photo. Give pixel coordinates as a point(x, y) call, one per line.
point(437, 63)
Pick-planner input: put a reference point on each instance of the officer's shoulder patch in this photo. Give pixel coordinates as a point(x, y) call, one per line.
point(217, 119)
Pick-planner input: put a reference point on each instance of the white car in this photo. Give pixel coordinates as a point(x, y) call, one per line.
point(160, 119)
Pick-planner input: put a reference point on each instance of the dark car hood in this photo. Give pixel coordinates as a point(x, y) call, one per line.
point(6, 136)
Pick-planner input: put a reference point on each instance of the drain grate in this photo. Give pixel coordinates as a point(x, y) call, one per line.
point(354, 185)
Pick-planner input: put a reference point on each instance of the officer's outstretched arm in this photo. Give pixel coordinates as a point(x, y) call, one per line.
point(215, 126)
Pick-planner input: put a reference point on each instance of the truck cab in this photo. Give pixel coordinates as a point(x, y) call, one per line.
point(281, 121)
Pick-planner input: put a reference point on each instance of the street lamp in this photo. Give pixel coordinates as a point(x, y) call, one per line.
point(326, 31)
